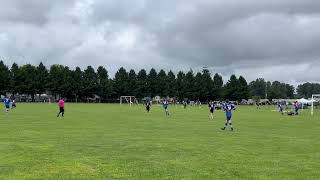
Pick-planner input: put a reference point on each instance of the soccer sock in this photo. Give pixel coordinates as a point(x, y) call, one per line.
point(225, 125)
point(231, 125)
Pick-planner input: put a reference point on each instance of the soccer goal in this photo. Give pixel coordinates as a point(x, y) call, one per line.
point(128, 100)
point(314, 102)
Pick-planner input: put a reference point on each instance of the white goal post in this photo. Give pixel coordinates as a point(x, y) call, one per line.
point(315, 98)
point(128, 99)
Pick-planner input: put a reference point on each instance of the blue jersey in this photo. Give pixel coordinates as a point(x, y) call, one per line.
point(165, 104)
point(7, 102)
point(228, 108)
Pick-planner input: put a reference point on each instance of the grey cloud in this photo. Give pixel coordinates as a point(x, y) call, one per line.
point(249, 37)
point(30, 11)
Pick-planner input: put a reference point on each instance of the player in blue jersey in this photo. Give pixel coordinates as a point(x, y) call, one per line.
point(7, 104)
point(165, 105)
point(228, 108)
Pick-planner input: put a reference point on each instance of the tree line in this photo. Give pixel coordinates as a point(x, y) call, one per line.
point(79, 85)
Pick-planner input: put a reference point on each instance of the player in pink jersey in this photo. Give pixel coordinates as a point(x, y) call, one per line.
point(61, 107)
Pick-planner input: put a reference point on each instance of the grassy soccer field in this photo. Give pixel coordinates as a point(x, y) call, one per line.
point(99, 141)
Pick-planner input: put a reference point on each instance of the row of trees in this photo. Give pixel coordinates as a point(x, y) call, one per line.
point(271, 90)
point(78, 84)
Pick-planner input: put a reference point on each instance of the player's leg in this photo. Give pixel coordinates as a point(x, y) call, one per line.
point(225, 125)
point(230, 123)
point(59, 112)
point(62, 113)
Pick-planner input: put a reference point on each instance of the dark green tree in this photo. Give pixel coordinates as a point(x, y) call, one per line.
point(217, 90)
point(243, 89)
point(306, 90)
point(258, 88)
point(103, 84)
point(188, 85)
point(207, 86)
point(29, 80)
point(198, 87)
point(172, 86)
point(120, 83)
point(66, 88)
point(132, 82)
point(41, 79)
point(180, 85)
point(162, 85)
point(14, 79)
point(278, 90)
point(152, 83)
point(4, 78)
point(90, 82)
point(290, 91)
point(77, 83)
point(268, 90)
point(56, 79)
point(231, 89)
point(142, 84)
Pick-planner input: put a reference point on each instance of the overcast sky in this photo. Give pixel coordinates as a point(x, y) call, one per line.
point(274, 39)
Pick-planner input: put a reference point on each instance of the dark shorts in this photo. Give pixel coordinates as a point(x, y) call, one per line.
point(148, 108)
point(211, 110)
point(7, 106)
point(14, 105)
point(61, 109)
point(229, 118)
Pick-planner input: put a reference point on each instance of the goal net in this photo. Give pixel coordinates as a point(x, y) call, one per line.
point(128, 100)
point(315, 103)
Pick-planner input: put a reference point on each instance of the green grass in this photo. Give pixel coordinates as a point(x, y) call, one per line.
point(98, 141)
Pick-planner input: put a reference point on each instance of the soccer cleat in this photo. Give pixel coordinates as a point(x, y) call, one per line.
point(223, 128)
point(231, 129)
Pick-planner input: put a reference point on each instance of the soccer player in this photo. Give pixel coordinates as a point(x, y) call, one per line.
point(165, 105)
point(184, 104)
point(13, 104)
point(258, 105)
point(296, 107)
point(228, 108)
point(7, 104)
point(211, 109)
point(148, 106)
point(280, 108)
point(61, 107)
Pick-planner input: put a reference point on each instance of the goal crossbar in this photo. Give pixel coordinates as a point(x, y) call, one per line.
point(128, 99)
